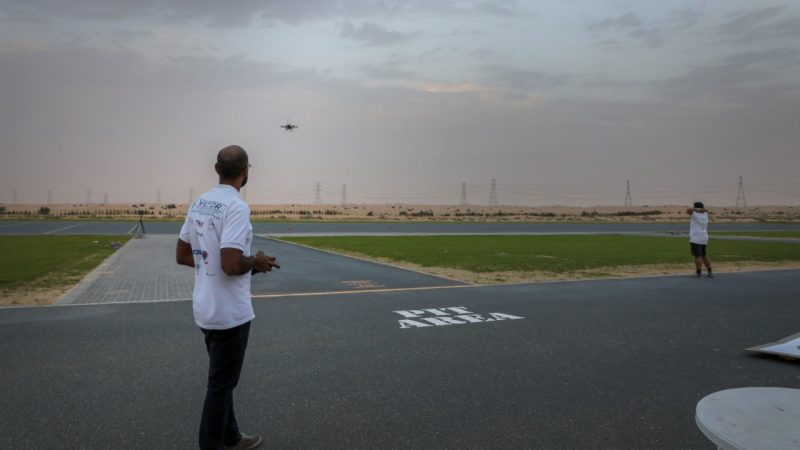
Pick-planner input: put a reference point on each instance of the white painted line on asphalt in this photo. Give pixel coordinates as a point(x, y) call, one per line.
point(133, 228)
point(64, 228)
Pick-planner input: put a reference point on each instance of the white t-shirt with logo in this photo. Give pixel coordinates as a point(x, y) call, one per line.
point(698, 228)
point(219, 219)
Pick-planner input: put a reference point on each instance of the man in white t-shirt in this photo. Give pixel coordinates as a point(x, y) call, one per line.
point(698, 238)
point(215, 241)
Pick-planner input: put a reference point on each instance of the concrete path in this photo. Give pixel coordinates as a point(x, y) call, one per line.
point(609, 364)
point(142, 270)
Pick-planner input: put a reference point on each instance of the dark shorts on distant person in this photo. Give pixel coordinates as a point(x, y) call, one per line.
point(698, 250)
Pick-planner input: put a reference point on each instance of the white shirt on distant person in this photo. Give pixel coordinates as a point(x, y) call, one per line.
point(219, 219)
point(698, 228)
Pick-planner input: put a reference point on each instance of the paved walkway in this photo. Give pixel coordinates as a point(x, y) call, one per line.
point(142, 270)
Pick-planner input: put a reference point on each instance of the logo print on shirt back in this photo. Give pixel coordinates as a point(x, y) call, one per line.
point(202, 253)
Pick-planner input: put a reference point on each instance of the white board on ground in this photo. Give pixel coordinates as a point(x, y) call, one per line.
point(788, 347)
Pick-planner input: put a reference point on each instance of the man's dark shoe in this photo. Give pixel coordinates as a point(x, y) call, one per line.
point(698, 275)
point(246, 442)
point(710, 275)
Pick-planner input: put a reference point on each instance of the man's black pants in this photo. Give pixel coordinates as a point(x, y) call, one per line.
point(226, 350)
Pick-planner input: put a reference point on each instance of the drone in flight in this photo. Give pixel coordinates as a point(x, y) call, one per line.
point(289, 126)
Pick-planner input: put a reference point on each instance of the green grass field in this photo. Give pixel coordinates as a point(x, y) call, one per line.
point(51, 261)
point(776, 234)
point(564, 253)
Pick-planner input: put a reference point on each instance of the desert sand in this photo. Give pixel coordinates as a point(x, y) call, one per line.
point(411, 212)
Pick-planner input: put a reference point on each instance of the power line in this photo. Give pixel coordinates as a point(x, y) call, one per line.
point(344, 195)
point(158, 196)
point(105, 198)
point(318, 194)
point(772, 191)
point(740, 200)
point(14, 197)
point(49, 197)
point(463, 194)
point(628, 200)
point(493, 195)
point(88, 196)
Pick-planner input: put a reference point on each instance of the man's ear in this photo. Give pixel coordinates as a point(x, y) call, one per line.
point(216, 168)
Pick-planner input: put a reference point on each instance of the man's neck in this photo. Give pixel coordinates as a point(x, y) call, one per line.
point(236, 184)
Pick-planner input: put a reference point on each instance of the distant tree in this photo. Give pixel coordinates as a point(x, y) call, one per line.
point(44, 211)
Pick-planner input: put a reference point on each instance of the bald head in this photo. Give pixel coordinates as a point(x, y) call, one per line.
point(232, 162)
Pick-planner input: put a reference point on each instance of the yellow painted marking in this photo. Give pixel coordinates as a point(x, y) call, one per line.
point(257, 296)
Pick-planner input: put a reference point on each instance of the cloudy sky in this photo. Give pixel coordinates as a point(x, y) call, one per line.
point(560, 101)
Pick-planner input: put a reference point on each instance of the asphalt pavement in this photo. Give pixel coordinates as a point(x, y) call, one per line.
point(305, 270)
point(390, 358)
point(604, 364)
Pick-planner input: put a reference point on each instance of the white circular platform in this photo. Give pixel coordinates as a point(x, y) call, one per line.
point(754, 418)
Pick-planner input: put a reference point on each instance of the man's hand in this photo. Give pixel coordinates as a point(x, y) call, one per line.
point(234, 262)
point(263, 263)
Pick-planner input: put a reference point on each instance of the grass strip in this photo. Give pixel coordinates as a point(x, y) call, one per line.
point(557, 254)
point(775, 234)
point(51, 261)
